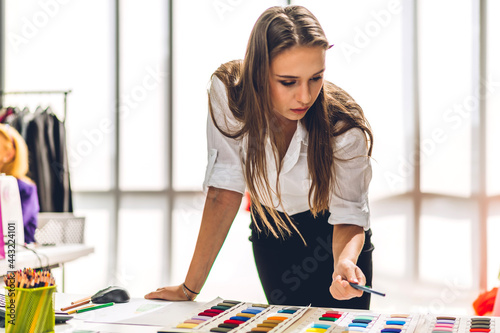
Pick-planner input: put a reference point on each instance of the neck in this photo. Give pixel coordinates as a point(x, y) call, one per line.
point(284, 131)
point(286, 125)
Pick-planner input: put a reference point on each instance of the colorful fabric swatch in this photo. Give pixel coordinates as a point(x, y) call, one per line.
point(360, 323)
point(274, 319)
point(209, 314)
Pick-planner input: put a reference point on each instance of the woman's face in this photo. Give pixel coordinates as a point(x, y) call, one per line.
point(6, 152)
point(296, 78)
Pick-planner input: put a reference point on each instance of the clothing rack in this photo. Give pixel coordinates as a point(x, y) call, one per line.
point(54, 191)
point(41, 92)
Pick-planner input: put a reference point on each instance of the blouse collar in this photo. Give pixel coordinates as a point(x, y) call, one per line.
point(292, 154)
point(302, 133)
point(300, 137)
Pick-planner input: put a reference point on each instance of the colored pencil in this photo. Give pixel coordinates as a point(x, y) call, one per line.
point(366, 289)
point(75, 305)
point(82, 300)
point(100, 306)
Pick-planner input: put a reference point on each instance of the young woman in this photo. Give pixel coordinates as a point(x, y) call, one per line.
point(301, 147)
point(14, 162)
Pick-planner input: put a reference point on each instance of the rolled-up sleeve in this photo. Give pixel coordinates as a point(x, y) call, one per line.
point(224, 168)
point(353, 173)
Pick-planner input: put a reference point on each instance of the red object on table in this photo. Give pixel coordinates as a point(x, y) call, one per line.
point(248, 202)
point(484, 302)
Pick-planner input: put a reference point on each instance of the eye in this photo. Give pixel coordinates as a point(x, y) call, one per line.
point(317, 78)
point(287, 83)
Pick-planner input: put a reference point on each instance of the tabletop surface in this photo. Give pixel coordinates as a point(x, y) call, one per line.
point(46, 256)
point(142, 316)
point(136, 316)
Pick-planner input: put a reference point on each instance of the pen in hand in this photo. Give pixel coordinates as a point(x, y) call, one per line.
point(367, 289)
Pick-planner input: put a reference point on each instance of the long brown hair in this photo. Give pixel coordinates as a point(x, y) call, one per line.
point(247, 83)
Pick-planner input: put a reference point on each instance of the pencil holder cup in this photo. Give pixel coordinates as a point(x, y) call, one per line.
point(29, 310)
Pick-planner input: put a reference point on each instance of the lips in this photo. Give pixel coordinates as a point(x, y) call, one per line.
point(299, 110)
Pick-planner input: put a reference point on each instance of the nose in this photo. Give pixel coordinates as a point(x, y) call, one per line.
point(303, 94)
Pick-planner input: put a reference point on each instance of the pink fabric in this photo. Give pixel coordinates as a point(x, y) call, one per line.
point(2, 247)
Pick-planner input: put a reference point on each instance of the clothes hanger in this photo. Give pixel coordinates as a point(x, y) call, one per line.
point(39, 110)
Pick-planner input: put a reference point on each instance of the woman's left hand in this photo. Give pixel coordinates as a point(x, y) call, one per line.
point(344, 272)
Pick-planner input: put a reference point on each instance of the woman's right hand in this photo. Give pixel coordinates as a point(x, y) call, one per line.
point(171, 293)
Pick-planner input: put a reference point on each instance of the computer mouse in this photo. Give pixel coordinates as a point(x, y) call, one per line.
point(111, 294)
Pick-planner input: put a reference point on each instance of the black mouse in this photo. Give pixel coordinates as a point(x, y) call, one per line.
point(111, 294)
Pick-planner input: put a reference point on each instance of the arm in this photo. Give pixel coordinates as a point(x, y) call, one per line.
point(347, 242)
point(224, 184)
point(350, 212)
point(219, 212)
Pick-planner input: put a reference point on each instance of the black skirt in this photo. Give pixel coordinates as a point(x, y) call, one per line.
point(293, 273)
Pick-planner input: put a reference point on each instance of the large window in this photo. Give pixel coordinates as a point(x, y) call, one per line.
point(424, 73)
point(63, 45)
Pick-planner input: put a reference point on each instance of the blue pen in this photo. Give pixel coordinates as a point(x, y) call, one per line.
point(365, 288)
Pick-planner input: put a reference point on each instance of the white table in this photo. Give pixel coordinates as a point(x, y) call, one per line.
point(149, 316)
point(48, 256)
point(166, 314)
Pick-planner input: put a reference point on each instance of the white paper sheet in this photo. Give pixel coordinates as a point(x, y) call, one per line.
point(131, 311)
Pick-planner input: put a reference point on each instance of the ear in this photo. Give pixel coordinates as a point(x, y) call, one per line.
point(9, 156)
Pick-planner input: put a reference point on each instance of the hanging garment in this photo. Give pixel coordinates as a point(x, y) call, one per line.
point(6, 113)
point(30, 208)
point(39, 161)
point(58, 160)
point(46, 140)
point(19, 120)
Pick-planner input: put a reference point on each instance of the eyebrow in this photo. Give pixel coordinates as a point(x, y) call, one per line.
point(296, 77)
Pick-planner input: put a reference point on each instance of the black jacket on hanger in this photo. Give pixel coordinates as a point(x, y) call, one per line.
point(46, 140)
point(59, 166)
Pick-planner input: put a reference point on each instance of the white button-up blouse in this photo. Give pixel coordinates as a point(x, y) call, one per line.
point(349, 200)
